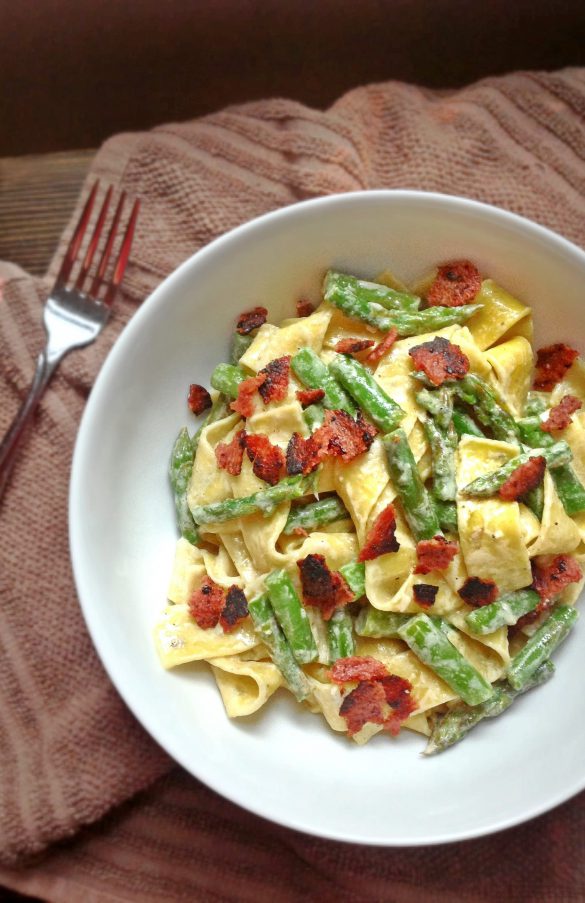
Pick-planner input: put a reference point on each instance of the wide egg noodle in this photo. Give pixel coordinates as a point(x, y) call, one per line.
point(178, 638)
point(490, 533)
point(245, 686)
point(490, 663)
point(187, 574)
point(573, 383)
point(208, 482)
point(341, 327)
point(513, 364)
point(272, 342)
point(575, 436)
point(361, 482)
point(500, 312)
point(220, 567)
point(497, 641)
point(558, 532)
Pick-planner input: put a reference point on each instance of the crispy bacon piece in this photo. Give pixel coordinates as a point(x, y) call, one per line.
point(382, 347)
point(251, 319)
point(310, 396)
point(234, 610)
point(455, 284)
point(385, 701)
point(552, 363)
point(206, 603)
point(550, 577)
point(440, 360)
point(322, 588)
point(560, 417)
point(346, 438)
point(478, 592)
point(381, 538)
point(357, 667)
point(305, 308)
point(434, 554)
point(244, 403)
point(198, 399)
point(353, 346)
point(267, 459)
point(302, 455)
point(526, 477)
point(424, 594)
point(229, 455)
point(397, 693)
point(276, 376)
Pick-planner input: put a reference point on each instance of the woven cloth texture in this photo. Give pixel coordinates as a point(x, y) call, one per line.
point(90, 808)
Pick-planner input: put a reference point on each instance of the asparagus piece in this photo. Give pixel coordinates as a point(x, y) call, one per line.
point(465, 425)
point(439, 403)
point(357, 292)
point(340, 635)
point(486, 407)
point(314, 374)
point(265, 500)
point(314, 415)
point(267, 627)
point(354, 574)
point(559, 453)
point(239, 346)
point(180, 468)
point(536, 403)
point(433, 318)
point(417, 504)
point(430, 644)
point(443, 444)
point(541, 645)
point(313, 515)
point(372, 622)
point(569, 488)
point(369, 395)
point(447, 514)
point(291, 616)
point(452, 727)
point(504, 612)
point(535, 500)
point(226, 378)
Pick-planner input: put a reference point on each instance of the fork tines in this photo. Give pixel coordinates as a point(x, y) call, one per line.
point(113, 281)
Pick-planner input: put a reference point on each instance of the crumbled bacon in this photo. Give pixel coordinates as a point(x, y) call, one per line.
point(550, 577)
point(276, 376)
point(302, 455)
point(322, 588)
point(560, 417)
point(305, 308)
point(552, 363)
point(267, 459)
point(386, 701)
point(424, 594)
point(397, 693)
point(310, 396)
point(440, 360)
point(522, 480)
point(345, 437)
point(198, 399)
point(251, 319)
point(455, 284)
point(244, 403)
point(434, 554)
point(382, 347)
point(357, 667)
point(478, 592)
point(206, 603)
point(234, 610)
point(229, 455)
point(381, 538)
point(353, 346)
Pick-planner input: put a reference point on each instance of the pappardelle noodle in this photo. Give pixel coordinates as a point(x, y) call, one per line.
point(383, 510)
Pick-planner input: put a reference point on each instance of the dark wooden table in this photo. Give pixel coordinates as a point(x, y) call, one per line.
point(37, 196)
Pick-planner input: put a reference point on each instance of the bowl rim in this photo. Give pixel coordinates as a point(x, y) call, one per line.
point(136, 703)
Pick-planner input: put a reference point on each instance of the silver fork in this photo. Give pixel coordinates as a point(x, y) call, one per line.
point(73, 317)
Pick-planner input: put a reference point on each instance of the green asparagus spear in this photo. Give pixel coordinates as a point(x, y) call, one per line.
point(226, 378)
point(569, 488)
point(486, 407)
point(340, 635)
point(369, 394)
point(313, 515)
point(454, 726)
point(439, 403)
point(465, 425)
point(372, 622)
point(357, 292)
point(559, 453)
point(417, 504)
point(536, 403)
point(268, 629)
point(534, 499)
point(504, 612)
point(443, 444)
point(180, 468)
point(314, 416)
point(430, 644)
point(239, 346)
point(354, 574)
point(291, 616)
point(447, 514)
point(541, 645)
point(265, 500)
point(432, 319)
point(314, 374)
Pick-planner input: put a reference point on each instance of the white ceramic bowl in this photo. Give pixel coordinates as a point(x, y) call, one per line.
point(285, 764)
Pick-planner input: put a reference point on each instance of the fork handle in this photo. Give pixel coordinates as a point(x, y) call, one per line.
point(46, 365)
